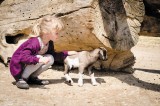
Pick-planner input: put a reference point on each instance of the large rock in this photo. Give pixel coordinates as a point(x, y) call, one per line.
point(151, 23)
point(113, 24)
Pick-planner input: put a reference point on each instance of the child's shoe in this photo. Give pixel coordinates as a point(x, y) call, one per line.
point(36, 80)
point(22, 84)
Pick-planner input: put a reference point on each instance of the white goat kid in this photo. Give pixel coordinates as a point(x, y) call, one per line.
point(83, 60)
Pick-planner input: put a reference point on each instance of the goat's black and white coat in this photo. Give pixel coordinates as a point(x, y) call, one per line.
point(84, 60)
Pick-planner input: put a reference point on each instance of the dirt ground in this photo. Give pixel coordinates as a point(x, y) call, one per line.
point(115, 88)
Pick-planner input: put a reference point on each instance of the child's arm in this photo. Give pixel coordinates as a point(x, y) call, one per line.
point(60, 56)
point(72, 52)
point(27, 58)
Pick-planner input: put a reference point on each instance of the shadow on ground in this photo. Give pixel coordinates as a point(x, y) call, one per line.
point(130, 79)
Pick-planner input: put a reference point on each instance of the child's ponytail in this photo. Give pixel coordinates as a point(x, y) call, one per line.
point(35, 31)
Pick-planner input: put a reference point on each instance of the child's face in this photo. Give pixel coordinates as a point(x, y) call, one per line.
point(54, 35)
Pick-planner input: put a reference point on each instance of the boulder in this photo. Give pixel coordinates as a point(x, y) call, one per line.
point(113, 24)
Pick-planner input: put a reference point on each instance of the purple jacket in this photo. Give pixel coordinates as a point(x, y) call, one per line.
point(26, 54)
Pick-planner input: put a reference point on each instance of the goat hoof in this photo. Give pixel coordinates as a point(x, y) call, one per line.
point(70, 82)
point(80, 82)
point(94, 84)
point(80, 85)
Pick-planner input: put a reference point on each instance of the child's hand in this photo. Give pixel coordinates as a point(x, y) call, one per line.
point(44, 60)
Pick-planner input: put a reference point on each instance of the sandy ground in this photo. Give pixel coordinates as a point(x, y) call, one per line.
point(115, 88)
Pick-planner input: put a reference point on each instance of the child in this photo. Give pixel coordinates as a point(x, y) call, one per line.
point(36, 54)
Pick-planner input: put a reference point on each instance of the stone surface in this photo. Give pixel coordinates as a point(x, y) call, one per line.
point(88, 24)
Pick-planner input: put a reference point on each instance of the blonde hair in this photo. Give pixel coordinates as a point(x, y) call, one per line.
point(46, 25)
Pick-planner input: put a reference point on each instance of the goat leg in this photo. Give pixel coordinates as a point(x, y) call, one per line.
point(91, 73)
point(80, 80)
point(66, 74)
